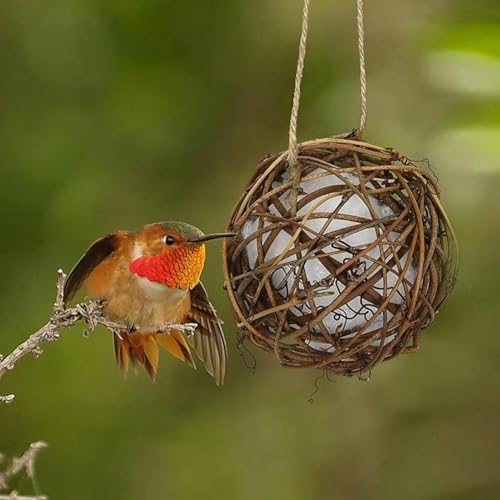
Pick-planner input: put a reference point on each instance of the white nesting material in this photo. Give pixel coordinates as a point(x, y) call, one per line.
point(324, 347)
point(351, 317)
point(320, 346)
point(249, 228)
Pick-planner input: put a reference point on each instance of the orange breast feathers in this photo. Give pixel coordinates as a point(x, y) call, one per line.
point(177, 268)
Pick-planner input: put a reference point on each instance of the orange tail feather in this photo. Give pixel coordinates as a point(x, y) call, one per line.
point(142, 349)
point(175, 344)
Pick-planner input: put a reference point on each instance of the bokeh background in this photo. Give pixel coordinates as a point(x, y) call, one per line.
point(118, 113)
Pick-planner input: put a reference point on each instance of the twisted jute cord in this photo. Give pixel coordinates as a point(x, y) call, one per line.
point(293, 150)
point(362, 68)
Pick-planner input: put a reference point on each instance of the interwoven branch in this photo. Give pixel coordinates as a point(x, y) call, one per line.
point(90, 312)
point(25, 462)
point(355, 275)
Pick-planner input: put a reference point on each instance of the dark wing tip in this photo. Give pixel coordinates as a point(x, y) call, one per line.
point(208, 338)
point(97, 252)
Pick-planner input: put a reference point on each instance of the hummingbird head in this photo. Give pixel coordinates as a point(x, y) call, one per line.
point(171, 253)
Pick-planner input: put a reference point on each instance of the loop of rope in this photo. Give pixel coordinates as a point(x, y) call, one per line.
point(293, 152)
point(362, 69)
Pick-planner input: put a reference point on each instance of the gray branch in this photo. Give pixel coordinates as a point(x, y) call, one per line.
point(90, 312)
point(25, 462)
point(15, 496)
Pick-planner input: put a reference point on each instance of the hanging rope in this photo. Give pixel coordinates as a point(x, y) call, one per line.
point(292, 135)
point(362, 69)
point(293, 150)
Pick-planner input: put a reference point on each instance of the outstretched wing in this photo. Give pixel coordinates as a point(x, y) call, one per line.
point(98, 251)
point(208, 339)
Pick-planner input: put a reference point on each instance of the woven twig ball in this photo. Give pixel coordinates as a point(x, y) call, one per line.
point(354, 275)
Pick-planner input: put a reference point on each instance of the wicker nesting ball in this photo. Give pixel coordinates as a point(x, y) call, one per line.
point(351, 272)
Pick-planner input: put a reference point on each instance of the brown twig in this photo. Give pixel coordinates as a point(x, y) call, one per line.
point(25, 462)
point(90, 312)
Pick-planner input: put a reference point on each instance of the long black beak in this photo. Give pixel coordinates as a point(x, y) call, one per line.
point(214, 236)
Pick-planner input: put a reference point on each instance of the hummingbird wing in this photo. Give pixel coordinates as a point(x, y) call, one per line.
point(97, 252)
point(208, 339)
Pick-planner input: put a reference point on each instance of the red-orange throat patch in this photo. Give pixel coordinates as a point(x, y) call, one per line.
point(178, 268)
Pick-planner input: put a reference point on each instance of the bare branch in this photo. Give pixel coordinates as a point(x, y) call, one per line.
point(90, 312)
point(14, 496)
point(25, 462)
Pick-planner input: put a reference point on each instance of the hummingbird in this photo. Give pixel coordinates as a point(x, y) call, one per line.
point(149, 279)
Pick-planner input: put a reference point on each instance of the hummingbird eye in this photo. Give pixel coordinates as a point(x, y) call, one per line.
point(169, 240)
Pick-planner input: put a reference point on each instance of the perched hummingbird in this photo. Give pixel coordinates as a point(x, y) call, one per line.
point(147, 280)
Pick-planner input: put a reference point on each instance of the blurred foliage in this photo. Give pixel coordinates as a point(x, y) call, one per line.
point(117, 113)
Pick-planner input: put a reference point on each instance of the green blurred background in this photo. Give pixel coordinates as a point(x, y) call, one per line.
point(118, 113)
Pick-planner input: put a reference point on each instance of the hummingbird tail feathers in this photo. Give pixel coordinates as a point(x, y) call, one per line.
point(175, 344)
point(142, 349)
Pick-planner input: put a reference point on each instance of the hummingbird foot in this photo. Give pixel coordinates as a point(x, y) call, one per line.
point(185, 328)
